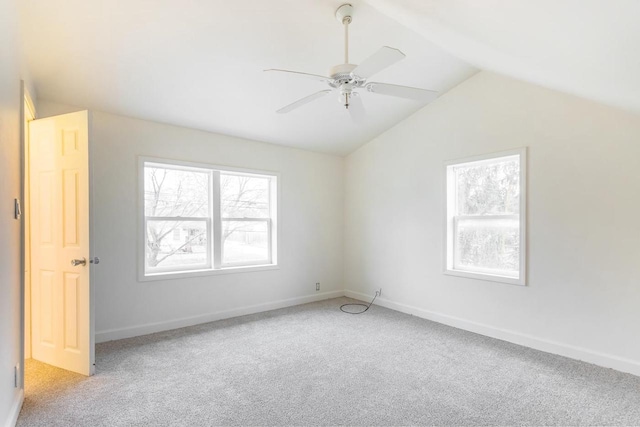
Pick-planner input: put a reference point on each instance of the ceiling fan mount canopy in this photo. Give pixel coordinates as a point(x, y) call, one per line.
point(346, 78)
point(344, 12)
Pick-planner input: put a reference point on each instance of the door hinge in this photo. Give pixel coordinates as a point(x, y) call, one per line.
point(17, 209)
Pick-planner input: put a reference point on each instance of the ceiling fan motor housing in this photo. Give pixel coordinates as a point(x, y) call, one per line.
point(342, 72)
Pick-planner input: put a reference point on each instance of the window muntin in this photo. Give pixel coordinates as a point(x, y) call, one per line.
point(485, 218)
point(200, 219)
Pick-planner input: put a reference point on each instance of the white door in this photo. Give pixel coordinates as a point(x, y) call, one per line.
point(61, 296)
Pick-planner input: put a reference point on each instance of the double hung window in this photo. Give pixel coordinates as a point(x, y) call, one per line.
point(485, 229)
point(199, 218)
point(246, 219)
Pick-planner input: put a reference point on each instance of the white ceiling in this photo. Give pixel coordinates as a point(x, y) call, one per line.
point(198, 63)
point(589, 48)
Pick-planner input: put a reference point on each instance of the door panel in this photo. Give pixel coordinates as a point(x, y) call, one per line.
point(61, 294)
point(44, 293)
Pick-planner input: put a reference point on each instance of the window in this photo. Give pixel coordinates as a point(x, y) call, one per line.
point(246, 219)
point(201, 219)
point(485, 220)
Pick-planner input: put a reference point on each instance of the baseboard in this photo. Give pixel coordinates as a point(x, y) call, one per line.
point(566, 350)
point(150, 328)
point(15, 409)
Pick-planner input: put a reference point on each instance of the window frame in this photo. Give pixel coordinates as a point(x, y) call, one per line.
point(451, 220)
point(214, 264)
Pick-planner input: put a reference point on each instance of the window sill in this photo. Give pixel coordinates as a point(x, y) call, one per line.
point(485, 277)
point(207, 272)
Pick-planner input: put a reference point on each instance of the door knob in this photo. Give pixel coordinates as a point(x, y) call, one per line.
point(76, 262)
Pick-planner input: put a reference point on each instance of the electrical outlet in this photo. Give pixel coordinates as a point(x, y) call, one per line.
point(318, 286)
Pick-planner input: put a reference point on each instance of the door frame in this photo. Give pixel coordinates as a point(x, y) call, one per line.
point(92, 251)
point(27, 113)
point(27, 109)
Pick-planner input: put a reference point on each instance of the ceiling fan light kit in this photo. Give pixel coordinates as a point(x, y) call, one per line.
point(345, 79)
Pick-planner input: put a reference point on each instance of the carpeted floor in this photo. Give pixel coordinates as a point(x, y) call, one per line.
point(314, 365)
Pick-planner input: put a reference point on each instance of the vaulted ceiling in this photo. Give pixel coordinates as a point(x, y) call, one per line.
point(589, 48)
point(198, 63)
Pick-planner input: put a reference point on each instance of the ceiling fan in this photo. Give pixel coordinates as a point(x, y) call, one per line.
point(347, 78)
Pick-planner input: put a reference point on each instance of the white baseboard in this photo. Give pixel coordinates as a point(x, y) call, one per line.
point(15, 409)
point(566, 350)
point(150, 328)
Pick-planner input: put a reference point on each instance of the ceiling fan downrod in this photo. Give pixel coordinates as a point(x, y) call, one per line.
point(346, 21)
point(343, 14)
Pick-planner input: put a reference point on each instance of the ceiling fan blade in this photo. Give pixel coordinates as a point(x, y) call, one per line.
point(402, 91)
point(356, 109)
point(380, 60)
point(305, 75)
point(303, 101)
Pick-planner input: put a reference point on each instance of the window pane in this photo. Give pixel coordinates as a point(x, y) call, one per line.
point(244, 196)
point(245, 241)
point(176, 244)
point(488, 188)
point(175, 192)
point(490, 245)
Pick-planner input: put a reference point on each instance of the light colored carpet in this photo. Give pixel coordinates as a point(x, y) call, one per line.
point(314, 365)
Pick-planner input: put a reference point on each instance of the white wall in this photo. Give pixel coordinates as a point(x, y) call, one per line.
point(582, 296)
point(583, 293)
point(310, 219)
point(10, 340)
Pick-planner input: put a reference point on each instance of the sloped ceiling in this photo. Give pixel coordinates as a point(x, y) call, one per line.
point(589, 48)
point(198, 63)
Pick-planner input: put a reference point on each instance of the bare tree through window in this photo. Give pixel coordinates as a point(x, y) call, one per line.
point(197, 218)
point(176, 203)
point(245, 202)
